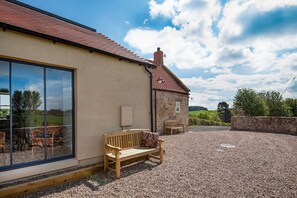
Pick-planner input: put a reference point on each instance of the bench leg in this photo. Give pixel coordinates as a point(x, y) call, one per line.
point(105, 163)
point(161, 154)
point(118, 168)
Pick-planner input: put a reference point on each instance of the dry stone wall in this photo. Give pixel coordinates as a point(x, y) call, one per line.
point(287, 125)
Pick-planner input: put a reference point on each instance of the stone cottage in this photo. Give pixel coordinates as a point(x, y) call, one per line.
point(170, 95)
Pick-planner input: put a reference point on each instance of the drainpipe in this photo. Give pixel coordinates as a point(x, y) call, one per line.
point(151, 94)
point(155, 111)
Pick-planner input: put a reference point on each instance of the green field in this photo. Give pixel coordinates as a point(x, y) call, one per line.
point(205, 113)
point(205, 118)
point(38, 120)
point(54, 120)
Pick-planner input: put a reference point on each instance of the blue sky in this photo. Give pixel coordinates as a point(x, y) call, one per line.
point(112, 18)
point(27, 77)
point(214, 46)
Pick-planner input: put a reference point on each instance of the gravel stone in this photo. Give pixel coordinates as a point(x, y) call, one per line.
point(195, 165)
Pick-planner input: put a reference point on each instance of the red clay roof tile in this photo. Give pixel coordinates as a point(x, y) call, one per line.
point(170, 81)
point(25, 18)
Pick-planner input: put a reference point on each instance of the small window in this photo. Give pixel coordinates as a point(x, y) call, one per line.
point(177, 107)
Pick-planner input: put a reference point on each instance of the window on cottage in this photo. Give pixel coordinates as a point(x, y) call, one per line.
point(36, 114)
point(177, 107)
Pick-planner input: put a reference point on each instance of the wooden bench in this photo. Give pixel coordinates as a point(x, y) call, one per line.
point(125, 145)
point(171, 125)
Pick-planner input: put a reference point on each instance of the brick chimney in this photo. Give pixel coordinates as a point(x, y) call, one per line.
point(158, 57)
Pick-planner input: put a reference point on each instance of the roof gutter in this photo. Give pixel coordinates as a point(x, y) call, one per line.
point(151, 94)
point(5, 26)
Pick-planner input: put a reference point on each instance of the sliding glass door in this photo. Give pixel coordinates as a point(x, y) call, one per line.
point(5, 158)
point(36, 106)
point(27, 86)
point(59, 110)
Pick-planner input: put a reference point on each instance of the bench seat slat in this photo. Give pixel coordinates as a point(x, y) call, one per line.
point(133, 152)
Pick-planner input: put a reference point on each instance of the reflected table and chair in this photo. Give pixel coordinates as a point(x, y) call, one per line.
point(2, 141)
point(39, 138)
point(35, 143)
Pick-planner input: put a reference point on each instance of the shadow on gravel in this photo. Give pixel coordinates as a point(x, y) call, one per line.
point(95, 182)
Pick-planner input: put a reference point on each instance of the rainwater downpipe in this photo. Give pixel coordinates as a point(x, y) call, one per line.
point(151, 94)
point(155, 111)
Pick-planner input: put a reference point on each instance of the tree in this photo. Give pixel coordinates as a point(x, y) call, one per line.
point(275, 103)
point(224, 112)
point(250, 103)
point(24, 107)
point(18, 109)
point(292, 104)
point(35, 100)
point(4, 90)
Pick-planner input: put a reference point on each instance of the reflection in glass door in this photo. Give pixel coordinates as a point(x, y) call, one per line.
point(27, 113)
point(36, 114)
point(4, 114)
point(59, 110)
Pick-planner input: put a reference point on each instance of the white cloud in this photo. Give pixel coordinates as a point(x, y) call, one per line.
point(243, 36)
point(37, 86)
point(223, 87)
point(166, 9)
point(145, 21)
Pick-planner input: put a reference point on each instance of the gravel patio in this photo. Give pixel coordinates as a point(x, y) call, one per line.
point(195, 165)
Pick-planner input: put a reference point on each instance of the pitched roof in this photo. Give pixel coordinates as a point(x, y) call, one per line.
point(170, 81)
point(21, 17)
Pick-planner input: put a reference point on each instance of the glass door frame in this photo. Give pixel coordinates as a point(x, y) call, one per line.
point(46, 160)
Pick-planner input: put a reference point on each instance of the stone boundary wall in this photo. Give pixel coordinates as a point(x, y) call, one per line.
point(286, 125)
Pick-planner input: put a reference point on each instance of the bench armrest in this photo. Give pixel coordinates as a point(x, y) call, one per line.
point(160, 141)
point(112, 147)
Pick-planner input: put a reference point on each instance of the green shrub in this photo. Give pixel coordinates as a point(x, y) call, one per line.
point(248, 101)
point(204, 116)
point(194, 121)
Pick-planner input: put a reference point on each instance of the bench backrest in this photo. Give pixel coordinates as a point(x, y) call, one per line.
point(169, 123)
point(124, 139)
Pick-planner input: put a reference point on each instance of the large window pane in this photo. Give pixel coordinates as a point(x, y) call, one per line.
point(4, 114)
point(59, 110)
point(36, 113)
point(28, 132)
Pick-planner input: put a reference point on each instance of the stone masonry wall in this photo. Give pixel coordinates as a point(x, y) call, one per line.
point(166, 102)
point(265, 124)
